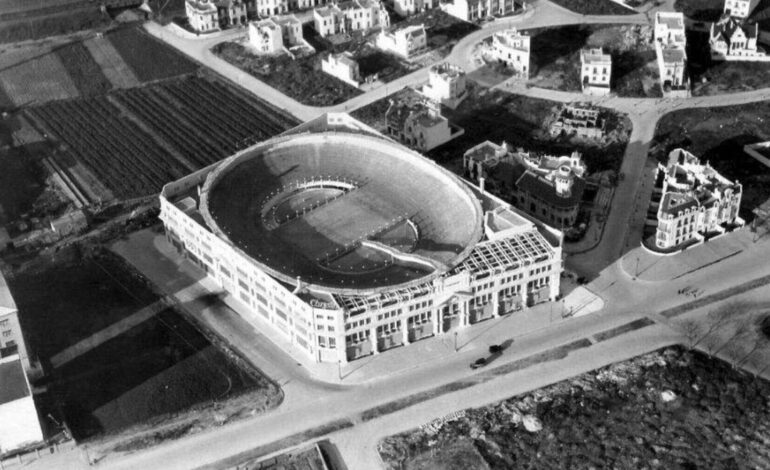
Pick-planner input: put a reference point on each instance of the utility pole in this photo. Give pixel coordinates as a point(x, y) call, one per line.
point(339, 368)
point(455, 341)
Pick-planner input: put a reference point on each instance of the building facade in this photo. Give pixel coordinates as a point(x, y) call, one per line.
point(411, 7)
point(732, 39)
point(418, 123)
point(595, 71)
point(548, 188)
point(511, 48)
point(19, 421)
point(211, 15)
point(475, 10)
point(11, 337)
point(446, 85)
point(740, 8)
point(405, 42)
point(343, 67)
point(265, 37)
point(351, 15)
point(695, 202)
point(670, 49)
point(515, 263)
point(291, 30)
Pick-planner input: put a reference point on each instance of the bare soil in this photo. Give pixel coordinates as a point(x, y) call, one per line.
point(615, 417)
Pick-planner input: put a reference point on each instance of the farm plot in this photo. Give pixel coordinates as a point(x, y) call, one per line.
point(83, 69)
point(123, 157)
point(112, 64)
point(148, 57)
point(37, 78)
point(203, 120)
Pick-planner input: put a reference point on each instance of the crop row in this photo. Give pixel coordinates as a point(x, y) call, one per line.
point(123, 157)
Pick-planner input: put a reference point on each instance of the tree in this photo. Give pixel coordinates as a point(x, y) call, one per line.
point(692, 332)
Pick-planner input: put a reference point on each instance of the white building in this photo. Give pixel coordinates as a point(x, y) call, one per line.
point(19, 421)
point(670, 43)
point(202, 15)
point(268, 8)
point(509, 263)
point(731, 39)
point(343, 67)
point(419, 124)
point(351, 15)
point(291, 30)
point(405, 42)
point(446, 85)
point(265, 36)
point(11, 337)
point(410, 7)
point(740, 8)
point(475, 10)
point(696, 201)
point(595, 71)
point(511, 48)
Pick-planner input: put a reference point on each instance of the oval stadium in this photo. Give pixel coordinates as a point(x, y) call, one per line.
point(346, 243)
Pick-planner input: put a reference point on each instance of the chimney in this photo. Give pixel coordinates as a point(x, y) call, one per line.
point(481, 184)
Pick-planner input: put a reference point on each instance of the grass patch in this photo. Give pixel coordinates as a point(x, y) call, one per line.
point(717, 136)
point(594, 7)
point(622, 329)
point(710, 77)
point(613, 418)
point(556, 57)
point(149, 58)
point(301, 79)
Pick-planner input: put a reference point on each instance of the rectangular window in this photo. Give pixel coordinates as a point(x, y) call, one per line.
point(3, 323)
point(6, 333)
point(322, 341)
point(332, 343)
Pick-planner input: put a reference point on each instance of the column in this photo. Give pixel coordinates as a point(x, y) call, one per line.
point(554, 285)
point(438, 320)
point(405, 329)
point(373, 340)
point(464, 320)
point(523, 293)
point(496, 303)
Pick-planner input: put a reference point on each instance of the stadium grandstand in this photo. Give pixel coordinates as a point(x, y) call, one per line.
point(348, 244)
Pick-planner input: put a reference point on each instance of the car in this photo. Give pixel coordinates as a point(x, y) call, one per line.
point(480, 362)
point(496, 348)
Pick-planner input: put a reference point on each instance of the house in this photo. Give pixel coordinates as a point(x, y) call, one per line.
point(733, 39)
point(268, 8)
point(231, 13)
point(580, 120)
point(670, 43)
point(446, 85)
point(265, 36)
point(202, 15)
point(418, 123)
point(511, 48)
point(291, 30)
point(669, 28)
point(475, 10)
point(405, 42)
point(595, 71)
point(696, 201)
point(19, 421)
point(343, 67)
point(547, 187)
point(349, 16)
point(740, 8)
point(410, 7)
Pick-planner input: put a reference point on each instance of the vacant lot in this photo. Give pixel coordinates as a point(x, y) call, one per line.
point(613, 418)
point(716, 77)
point(301, 79)
point(717, 135)
point(149, 58)
point(442, 28)
point(556, 57)
point(594, 7)
point(148, 373)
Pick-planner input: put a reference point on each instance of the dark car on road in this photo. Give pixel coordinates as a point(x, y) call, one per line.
point(496, 348)
point(480, 362)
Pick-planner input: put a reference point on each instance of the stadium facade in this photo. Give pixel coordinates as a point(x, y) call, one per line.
point(346, 243)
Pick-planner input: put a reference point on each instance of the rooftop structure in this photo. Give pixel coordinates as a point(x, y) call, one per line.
point(308, 233)
point(740, 8)
point(669, 28)
point(695, 201)
point(595, 71)
point(670, 43)
point(446, 84)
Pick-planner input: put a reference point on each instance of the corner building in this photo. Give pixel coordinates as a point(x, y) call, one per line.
point(346, 243)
